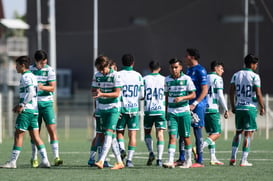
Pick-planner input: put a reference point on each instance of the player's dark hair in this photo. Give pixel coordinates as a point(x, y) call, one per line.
point(154, 65)
point(23, 60)
point(214, 64)
point(127, 60)
point(40, 55)
point(101, 62)
point(250, 59)
point(175, 60)
point(193, 52)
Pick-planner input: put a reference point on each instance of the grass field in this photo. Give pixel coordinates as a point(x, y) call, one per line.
point(75, 152)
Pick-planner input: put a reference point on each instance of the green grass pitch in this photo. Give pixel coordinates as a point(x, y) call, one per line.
point(75, 153)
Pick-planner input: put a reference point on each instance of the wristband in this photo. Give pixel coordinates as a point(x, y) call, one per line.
point(22, 104)
point(195, 103)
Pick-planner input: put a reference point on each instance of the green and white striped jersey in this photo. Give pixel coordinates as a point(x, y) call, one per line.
point(28, 81)
point(44, 76)
point(245, 81)
point(215, 93)
point(181, 86)
point(154, 100)
point(107, 83)
point(132, 90)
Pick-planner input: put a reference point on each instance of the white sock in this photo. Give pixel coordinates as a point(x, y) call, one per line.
point(115, 148)
point(99, 151)
point(121, 145)
point(55, 149)
point(212, 151)
point(244, 156)
point(106, 146)
point(14, 155)
point(34, 152)
point(130, 154)
point(188, 154)
point(171, 153)
point(43, 155)
point(234, 152)
point(160, 150)
point(92, 155)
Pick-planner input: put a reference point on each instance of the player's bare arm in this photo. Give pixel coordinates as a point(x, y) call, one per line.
point(48, 88)
point(114, 94)
point(203, 94)
point(231, 97)
point(190, 96)
point(260, 100)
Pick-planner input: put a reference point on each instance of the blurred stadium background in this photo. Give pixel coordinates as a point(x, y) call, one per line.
point(154, 29)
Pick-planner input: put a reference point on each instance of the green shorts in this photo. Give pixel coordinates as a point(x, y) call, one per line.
point(27, 121)
point(132, 122)
point(109, 120)
point(99, 124)
point(159, 121)
point(46, 113)
point(245, 120)
point(179, 124)
point(213, 123)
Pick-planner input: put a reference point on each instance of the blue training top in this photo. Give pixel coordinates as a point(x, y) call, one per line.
point(198, 75)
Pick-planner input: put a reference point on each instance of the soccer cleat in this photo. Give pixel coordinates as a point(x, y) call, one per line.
point(197, 165)
point(159, 163)
point(118, 166)
point(107, 164)
point(34, 163)
point(44, 165)
point(58, 161)
point(129, 164)
point(91, 162)
point(187, 164)
point(123, 154)
point(168, 165)
point(216, 162)
point(245, 164)
point(179, 163)
point(150, 159)
point(8, 164)
point(232, 162)
point(99, 164)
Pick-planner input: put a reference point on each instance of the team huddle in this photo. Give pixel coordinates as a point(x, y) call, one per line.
point(177, 103)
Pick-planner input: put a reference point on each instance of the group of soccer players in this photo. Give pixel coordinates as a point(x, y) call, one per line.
point(37, 84)
point(177, 102)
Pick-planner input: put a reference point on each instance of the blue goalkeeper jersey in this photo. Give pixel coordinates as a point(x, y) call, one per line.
point(198, 75)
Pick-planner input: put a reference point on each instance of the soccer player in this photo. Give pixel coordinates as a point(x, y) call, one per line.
point(198, 75)
point(245, 94)
point(27, 119)
point(132, 92)
point(46, 78)
point(96, 144)
point(106, 87)
point(215, 98)
point(154, 110)
point(179, 89)
point(97, 141)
